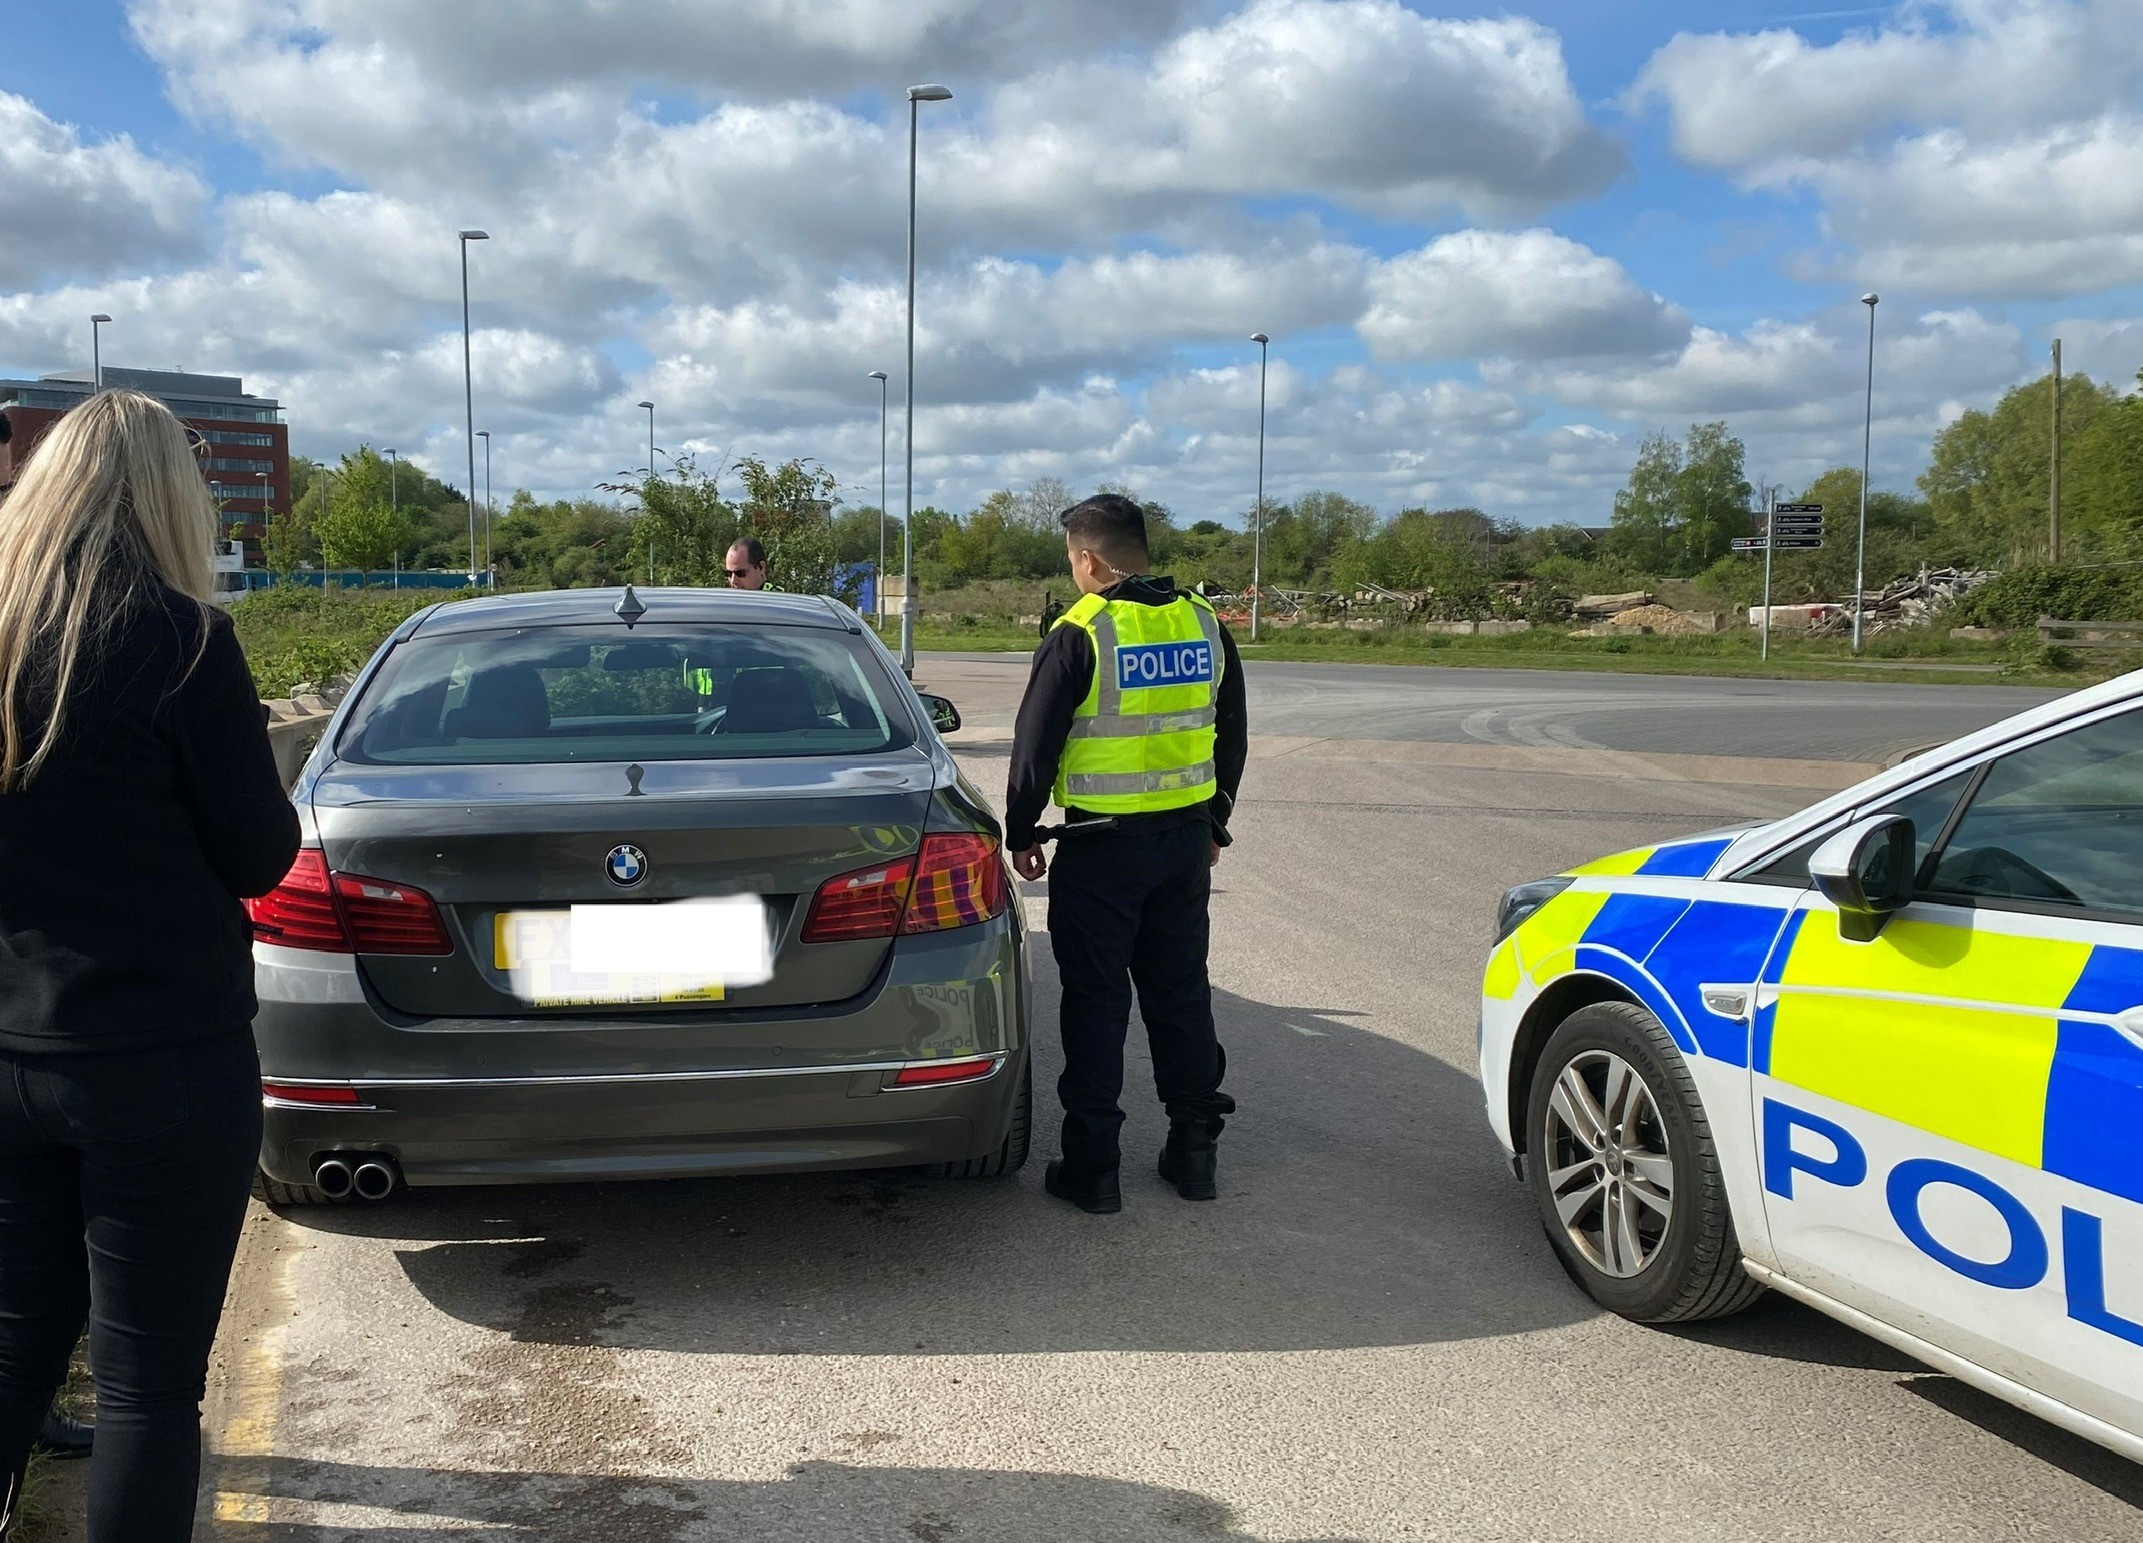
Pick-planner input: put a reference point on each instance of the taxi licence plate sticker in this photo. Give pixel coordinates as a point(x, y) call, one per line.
point(535, 950)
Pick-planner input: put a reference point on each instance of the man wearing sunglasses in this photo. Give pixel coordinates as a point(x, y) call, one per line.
point(746, 564)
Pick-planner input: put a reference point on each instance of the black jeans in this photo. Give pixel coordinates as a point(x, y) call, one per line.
point(123, 1181)
point(1127, 908)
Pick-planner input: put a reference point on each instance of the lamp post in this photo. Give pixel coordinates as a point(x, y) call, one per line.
point(96, 350)
point(650, 407)
point(468, 390)
point(917, 95)
point(485, 436)
point(394, 504)
point(878, 573)
point(1867, 439)
point(1257, 537)
point(267, 509)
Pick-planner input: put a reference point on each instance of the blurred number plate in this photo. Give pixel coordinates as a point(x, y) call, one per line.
point(686, 952)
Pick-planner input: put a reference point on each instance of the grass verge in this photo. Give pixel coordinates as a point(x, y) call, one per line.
point(293, 633)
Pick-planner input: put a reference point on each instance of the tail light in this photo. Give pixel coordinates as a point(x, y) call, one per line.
point(955, 880)
point(344, 913)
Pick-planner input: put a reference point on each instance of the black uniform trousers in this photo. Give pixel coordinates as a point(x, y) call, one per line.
point(1127, 908)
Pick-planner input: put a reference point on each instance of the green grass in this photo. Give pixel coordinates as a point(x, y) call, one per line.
point(293, 633)
point(41, 1517)
point(1735, 653)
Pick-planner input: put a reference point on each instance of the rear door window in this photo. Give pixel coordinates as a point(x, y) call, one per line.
point(662, 694)
point(2055, 827)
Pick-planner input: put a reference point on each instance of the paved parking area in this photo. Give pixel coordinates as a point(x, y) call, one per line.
point(1366, 1339)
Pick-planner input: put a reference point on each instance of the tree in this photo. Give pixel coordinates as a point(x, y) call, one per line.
point(1645, 509)
point(360, 528)
point(789, 508)
point(1303, 538)
point(1987, 480)
point(1711, 496)
point(683, 530)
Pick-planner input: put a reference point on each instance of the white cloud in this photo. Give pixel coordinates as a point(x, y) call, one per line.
point(1526, 294)
point(1748, 102)
point(70, 207)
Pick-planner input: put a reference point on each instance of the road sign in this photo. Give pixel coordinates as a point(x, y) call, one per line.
point(1797, 522)
point(1750, 543)
point(1797, 543)
point(1796, 527)
point(1797, 509)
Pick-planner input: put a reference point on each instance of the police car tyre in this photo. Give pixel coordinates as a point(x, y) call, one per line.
point(1634, 1203)
point(1011, 1155)
point(276, 1193)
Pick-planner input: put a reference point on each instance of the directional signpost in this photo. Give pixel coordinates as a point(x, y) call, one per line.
point(1787, 528)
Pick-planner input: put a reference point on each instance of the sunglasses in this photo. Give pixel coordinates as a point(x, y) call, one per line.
point(739, 573)
point(195, 440)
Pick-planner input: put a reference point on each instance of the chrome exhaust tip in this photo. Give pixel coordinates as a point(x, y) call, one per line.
point(373, 1180)
point(333, 1178)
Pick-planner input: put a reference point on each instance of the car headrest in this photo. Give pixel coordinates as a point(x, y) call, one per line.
point(771, 701)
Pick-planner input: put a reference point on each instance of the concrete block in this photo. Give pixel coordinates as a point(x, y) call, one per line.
point(1503, 629)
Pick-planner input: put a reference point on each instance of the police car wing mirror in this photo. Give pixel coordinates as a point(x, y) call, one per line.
point(944, 717)
point(1866, 871)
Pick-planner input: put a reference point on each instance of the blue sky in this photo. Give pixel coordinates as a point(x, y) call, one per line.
point(1493, 248)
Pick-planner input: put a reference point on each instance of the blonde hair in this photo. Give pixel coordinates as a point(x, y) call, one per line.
point(110, 504)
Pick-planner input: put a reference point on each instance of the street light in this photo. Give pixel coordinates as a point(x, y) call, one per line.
point(485, 436)
point(917, 95)
point(394, 503)
point(468, 389)
point(878, 574)
point(650, 406)
point(1867, 438)
point(96, 350)
point(1257, 537)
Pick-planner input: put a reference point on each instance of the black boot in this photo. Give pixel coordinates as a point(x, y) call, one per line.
point(1095, 1190)
point(64, 1436)
point(1190, 1160)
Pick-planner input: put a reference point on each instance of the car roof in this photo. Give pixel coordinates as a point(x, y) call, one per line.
point(584, 607)
point(2121, 690)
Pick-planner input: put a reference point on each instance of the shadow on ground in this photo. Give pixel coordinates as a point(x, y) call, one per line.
point(813, 1501)
point(1363, 1203)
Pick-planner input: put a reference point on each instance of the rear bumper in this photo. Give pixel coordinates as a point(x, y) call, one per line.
point(497, 1101)
point(474, 1131)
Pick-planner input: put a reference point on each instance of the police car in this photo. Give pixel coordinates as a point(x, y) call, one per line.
point(1884, 1055)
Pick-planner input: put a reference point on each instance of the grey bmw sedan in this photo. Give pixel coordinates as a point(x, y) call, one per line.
point(606, 884)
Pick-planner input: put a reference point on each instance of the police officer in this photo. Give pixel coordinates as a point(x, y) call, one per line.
point(745, 566)
point(1134, 713)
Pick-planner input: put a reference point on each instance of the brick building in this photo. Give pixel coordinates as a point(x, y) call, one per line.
point(246, 435)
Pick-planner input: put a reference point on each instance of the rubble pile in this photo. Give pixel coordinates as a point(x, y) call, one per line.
point(1912, 601)
point(1664, 620)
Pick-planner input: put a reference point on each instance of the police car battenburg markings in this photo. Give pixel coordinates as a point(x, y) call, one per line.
point(1164, 664)
point(1936, 1133)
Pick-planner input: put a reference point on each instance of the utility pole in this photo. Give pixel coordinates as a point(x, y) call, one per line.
point(1770, 544)
point(2053, 481)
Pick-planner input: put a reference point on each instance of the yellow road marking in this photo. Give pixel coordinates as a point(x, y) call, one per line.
point(250, 1392)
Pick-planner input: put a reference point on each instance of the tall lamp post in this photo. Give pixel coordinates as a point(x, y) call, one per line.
point(1257, 537)
point(96, 350)
point(917, 95)
point(394, 505)
point(267, 509)
point(485, 436)
point(468, 389)
point(1867, 439)
point(650, 409)
point(878, 574)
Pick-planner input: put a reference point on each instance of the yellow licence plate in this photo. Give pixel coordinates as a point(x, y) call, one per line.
point(535, 950)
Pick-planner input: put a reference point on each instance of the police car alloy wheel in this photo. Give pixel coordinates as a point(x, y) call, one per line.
point(1623, 1170)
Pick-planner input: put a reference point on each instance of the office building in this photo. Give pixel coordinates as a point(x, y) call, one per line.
point(245, 434)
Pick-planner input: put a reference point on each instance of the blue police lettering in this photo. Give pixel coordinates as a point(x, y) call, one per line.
point(1164, 664)
point(2083, 1236)
point(2025, 1265)
point(1847, 1166)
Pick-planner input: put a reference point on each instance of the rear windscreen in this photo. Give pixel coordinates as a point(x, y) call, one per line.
point(671, 693)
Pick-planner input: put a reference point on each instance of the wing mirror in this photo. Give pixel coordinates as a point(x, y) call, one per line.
point(944, 717)
point(1866, 871)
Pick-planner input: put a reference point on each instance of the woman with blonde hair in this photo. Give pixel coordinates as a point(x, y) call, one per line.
point(138, 803)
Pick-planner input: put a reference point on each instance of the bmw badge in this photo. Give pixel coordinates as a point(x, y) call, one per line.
point(626, 865)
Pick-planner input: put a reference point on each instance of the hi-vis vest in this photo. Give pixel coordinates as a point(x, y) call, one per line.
point(1142, 740)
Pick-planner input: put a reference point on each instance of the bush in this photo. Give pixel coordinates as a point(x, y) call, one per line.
point(2019, 597)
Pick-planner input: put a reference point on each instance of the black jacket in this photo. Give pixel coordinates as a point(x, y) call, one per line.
point(122, 864)
point(1063, 674)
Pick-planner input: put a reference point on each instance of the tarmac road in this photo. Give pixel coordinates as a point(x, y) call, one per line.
point(1365, 1339)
